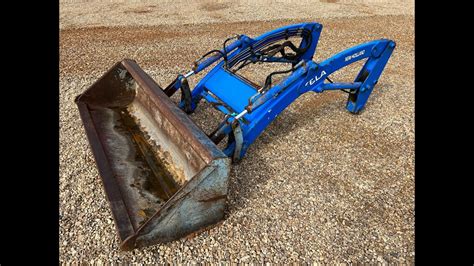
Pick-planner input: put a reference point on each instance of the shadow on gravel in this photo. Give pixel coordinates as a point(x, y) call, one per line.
point(246, 177)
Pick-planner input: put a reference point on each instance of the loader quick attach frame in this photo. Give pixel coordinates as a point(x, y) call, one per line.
point(163, 176)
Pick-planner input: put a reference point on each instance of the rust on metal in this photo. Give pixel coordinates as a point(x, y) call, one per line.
point(218, 197)
point(161, 184)
point(164, 178)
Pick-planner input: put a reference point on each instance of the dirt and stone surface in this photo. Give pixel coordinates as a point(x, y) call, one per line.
point(320, 185)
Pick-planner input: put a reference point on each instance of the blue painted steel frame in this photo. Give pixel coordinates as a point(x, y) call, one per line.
point(263, 108)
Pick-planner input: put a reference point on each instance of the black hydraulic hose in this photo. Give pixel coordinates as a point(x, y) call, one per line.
point(224, 55)
point(298, 51)
point(268, 80)
point(344, 90)
point(228, 39)
point(225, 48)
point(277, 36)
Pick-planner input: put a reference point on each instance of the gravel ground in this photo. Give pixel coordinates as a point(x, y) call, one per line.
point(319, 185)
point(78, 13)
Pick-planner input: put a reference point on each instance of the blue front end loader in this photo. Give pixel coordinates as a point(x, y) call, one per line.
point(164, 177)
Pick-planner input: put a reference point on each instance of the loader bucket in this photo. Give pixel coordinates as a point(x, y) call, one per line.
point(163, 177)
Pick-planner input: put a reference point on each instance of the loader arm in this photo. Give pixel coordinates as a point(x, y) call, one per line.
point(378, 52)
point(263, 108)
point(245, 50)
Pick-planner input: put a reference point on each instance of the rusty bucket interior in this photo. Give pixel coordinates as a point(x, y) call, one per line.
point(164, 178)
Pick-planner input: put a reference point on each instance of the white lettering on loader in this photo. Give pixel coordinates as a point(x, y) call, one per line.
point(354, 55)
point(316, 78)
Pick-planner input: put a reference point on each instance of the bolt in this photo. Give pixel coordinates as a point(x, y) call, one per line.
point(374, 82)
point(374, 52)
point(392, 45)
